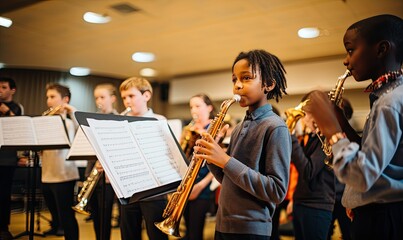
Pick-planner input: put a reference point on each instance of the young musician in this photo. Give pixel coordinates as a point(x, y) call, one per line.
point(255, 170)
point(58, 175)
point(373, 170)
point(8, 159)
point(135, 93)
point(105, 98)
point(314, 196)
point(202, 111)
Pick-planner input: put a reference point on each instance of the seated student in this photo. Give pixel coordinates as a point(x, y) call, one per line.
point(371, 169)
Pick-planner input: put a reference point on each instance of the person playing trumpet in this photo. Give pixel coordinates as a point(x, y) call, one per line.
point(58, 175)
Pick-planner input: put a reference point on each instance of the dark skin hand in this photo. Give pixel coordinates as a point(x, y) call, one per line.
point(329, 117)
point(322, 110)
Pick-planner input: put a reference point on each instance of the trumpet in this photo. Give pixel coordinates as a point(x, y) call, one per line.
point(90, 183)
point(174, 209)
point(51, 111)
point(126, 111)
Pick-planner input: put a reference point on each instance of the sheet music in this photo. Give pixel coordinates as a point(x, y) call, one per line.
point(17, 131)
point(136, 156)
point(81, 146)
point(159, 150)
point(24, 131)
point(50, 130)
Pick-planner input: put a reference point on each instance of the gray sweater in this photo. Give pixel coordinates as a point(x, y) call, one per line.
point(256, 177)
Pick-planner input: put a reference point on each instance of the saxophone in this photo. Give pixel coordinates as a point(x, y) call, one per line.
point(174, 209)
point(90, 183)
point(336, 96)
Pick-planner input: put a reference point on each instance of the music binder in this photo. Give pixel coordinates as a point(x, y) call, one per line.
point(141, 156)
point(33, 133)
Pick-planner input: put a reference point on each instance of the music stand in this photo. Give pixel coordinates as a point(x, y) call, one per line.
point(32, 190)
point(31, 136)
point(29, 221)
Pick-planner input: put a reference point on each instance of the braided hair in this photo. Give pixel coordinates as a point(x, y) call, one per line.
point(271, 70)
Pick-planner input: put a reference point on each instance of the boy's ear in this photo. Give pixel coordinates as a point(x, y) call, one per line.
point(383, 48)
point(147, 95)
point(66, 99)
point(269, 88)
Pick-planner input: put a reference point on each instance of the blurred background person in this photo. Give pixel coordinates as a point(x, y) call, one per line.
point(202, 111)
point(105, 99)
point(314, 196)
point(8, 158)
point(58, 175)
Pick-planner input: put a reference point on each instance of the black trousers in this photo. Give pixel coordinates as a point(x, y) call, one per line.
point(234, 236)
point(96, 204)
point(6, 183)
point(59, 199)
point(378, 221)
point(195, 216)
point(131, 217)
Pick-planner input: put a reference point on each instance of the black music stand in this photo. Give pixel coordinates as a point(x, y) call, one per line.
point(32, 191)
point(31, 136)
point(30, 215)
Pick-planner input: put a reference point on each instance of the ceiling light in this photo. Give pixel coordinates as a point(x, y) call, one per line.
point(309, 32)
point(143, 57)
point(92, 17)
point(79, 71)
point(148, 72)
point(5, 22)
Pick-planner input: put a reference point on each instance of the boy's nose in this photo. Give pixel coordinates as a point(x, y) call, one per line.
point(238, 85)
point(345, 61)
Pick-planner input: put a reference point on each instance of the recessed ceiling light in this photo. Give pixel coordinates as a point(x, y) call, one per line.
point(92, 17)
point(5, 22)
point(143, 57)
point(79, 71)
point(309, 32)
point(148, 72)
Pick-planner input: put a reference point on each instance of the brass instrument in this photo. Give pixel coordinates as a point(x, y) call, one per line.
point(86, 192)
point(174, 209)
point(189, 138)
point(126, 111)
point(336, 96)
point(90, 183)
point(51, 111)
point(294, 114)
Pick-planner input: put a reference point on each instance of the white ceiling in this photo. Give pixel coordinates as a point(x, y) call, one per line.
point(189, 37)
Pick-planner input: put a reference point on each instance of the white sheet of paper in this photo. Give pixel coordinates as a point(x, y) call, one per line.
point(81, 146)
point(136, 156)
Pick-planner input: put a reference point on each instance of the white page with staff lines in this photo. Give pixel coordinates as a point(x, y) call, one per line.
point(136, 156)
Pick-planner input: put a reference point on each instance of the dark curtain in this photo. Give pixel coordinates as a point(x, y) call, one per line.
point(31, 89)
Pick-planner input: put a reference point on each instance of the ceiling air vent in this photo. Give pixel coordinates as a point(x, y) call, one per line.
point(125, 8)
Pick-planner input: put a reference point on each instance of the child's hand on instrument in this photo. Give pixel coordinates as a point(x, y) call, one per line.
point(207, 148)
